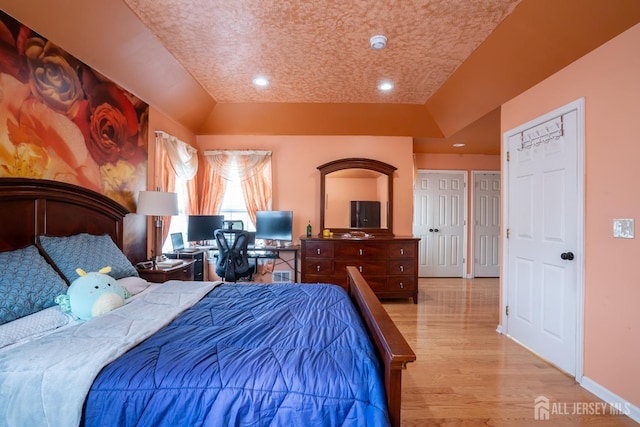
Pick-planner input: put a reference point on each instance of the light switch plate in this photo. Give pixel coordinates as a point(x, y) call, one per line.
point(623, 228)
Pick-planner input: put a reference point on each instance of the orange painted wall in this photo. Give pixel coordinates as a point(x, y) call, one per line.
point(296, 179)
point(461, 162)
point(608, 79)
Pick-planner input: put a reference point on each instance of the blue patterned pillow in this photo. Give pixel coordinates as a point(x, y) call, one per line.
point(27, 283)
point(87, 252)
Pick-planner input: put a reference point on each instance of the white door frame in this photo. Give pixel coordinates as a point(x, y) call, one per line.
point(472, 209)
point(577, 105)
point(464, 208)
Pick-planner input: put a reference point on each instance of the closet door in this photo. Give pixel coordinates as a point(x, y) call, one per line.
point(439, 222)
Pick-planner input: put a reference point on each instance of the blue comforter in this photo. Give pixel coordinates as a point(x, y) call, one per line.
point(248, 355)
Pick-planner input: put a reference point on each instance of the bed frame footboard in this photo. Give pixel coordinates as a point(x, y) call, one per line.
point(394, 350)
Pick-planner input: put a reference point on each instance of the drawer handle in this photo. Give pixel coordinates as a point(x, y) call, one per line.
point(401, 251)
point(317, 268)
point(360, 268)
point(401, 285)
point(360, 252)
point(318, 250)
point(402, 268)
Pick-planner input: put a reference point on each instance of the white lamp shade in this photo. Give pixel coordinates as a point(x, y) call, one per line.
point(157, 203)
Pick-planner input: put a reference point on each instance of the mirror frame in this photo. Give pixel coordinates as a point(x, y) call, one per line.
point(358, 163)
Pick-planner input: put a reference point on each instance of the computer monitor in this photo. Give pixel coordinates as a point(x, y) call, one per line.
point(274, 225)
point(201, 227)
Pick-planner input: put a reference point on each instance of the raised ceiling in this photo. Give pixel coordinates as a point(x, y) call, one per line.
point(453, 62)
point(318, 51)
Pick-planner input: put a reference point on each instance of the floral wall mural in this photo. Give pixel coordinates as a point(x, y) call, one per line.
point(61, 120)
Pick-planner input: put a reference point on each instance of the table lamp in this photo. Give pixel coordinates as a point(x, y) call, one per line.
point(158, 204)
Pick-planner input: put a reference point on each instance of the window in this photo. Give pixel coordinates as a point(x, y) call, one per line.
point(179, 222)
point(233, 204)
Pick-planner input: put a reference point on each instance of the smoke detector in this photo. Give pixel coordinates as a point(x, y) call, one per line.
point(378, 42)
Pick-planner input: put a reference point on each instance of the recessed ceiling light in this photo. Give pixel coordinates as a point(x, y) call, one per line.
point(385, 86)
point(261, 81)
point(458, 145)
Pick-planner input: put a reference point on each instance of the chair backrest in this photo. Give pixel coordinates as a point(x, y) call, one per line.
point(233, 257)
point(233, 224)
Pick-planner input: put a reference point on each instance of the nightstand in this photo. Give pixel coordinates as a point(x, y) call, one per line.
point(198, 256)
point(183, 271)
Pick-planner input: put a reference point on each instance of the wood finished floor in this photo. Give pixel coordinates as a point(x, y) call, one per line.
point(466, 374)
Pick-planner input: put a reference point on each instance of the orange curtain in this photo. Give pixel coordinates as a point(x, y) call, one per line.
point(176, 159)
point(255, 177)
point(214, 182)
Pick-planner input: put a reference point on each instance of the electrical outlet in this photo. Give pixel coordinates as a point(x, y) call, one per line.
point(623, 228)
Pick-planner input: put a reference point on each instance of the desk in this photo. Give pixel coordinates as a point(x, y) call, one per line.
point(268, 252)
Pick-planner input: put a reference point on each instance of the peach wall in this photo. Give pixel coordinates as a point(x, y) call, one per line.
point(608, 80)
point(461, 162)
point(296, 179)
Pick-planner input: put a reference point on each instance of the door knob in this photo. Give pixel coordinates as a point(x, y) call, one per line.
point(431, 230)
point(436, 230)
point(567, 256)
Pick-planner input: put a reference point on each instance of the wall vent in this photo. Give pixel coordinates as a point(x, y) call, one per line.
point(281, 276)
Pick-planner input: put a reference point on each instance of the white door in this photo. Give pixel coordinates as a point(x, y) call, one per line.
point(439, 221)
point(486, 224)
point(543, 221)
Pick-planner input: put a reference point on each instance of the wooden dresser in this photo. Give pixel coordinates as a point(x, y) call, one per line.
point(389, 264)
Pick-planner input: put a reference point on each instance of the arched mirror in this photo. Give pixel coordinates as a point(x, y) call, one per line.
point(356, 195)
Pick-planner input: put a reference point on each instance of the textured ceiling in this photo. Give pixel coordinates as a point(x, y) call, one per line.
point(318, 51)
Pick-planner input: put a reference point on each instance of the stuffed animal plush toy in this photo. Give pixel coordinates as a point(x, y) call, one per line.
point(92, 294)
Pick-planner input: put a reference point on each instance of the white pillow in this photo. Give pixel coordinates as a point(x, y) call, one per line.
point(33, 325)
point(133, 284)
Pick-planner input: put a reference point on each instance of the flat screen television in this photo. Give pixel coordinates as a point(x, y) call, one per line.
point(201, 227)
point(274, 225)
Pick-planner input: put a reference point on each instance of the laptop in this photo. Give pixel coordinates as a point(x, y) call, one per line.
point(178, 244)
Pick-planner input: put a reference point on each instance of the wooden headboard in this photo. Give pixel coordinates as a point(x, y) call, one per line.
point(30, 207)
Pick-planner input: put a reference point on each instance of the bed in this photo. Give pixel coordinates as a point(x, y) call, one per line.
point(129, 381)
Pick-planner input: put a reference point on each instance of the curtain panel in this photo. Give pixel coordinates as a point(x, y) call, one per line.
point(176, 158)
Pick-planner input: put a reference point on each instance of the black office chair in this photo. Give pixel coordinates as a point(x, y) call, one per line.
point(233, 224)
point(233, 259)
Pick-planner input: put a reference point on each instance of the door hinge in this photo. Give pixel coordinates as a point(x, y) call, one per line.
point(508, 232)
point(506, 310)
point(508, 156)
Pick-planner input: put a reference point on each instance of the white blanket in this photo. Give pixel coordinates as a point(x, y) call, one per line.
point(45, 382)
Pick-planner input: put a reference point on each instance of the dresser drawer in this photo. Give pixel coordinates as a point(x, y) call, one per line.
point(318, 249)
point(318, 266)
point(360, 250)
point(319, 278)
point(402, 250)
point(401, 283)
point(366, 267)
point(401, 266)
point(377, 284)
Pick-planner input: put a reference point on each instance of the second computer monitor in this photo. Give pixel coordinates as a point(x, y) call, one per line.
point(274, 225)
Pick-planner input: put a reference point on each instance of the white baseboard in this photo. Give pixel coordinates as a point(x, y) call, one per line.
point(611, 398)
